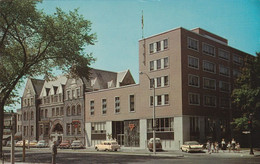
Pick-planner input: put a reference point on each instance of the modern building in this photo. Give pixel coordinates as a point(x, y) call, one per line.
point(192, 73)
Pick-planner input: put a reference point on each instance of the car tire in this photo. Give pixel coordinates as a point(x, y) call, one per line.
point(115, 149)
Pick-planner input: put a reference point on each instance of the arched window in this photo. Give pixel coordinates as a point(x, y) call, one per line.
point(78, 110)
point(68, 111)
point(73, 110)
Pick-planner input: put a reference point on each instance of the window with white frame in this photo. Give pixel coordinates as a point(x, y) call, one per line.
point(193, 43)
point(160, 100)
point(224, 102)
point(98, 128)
point(222, 54)
point(117, 104)
point(158, 46)
point(193, 62)
point(194, 80)
point(237, 59)
point(151, 65)
point(151, 47)
point(194, 99)
point(224, 86)
point(104, 106)
point(224, 70)
point(132, 103)
point(208, 49)
point(92, 107)
point(158, 63)
point(165, 43)
point(163, 125)
point(166, 62)
point(210, 100)
point(209, 83)
point(209, 67)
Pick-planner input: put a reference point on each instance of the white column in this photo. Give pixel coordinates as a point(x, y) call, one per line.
point(143, 133)
point(88, 134)
point(109, 128)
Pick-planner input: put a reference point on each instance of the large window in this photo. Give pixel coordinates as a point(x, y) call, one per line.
point(209, 83)
point(237, 59)
point(193, 44)
point(194, 99)
point(208, 49)
point(132, 103)
point(117, 104)
point(222, 54)
point(162, 124)
point(224, 102)
point(158, 46)
point(68, 126)
point(193, 62)
point(160, 100)
point(92, 107)
point(98, 128)
point(194, 81)
point(165, 43)
point(223, 70)
point(104, 106)
point(159, 83)
point(166, 62)
point(158, 64)
point(209, 67)
point(78, 110)
point(151, 47)
point(224, 86)
point(151, 65)
point(210, 100)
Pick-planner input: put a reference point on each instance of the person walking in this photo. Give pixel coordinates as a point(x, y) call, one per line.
point(208, 147)
point(229, 147)
point(216, 147)
point(54, 152)
point(223, 144)
point(212, 147)
point(233, 144)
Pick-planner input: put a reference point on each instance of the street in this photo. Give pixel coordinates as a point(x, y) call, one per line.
point(132, 156)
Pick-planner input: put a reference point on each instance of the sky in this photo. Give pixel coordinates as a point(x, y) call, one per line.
point(117, 24)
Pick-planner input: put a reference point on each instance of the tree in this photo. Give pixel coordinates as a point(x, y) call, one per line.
point(33, 43)
point(246, 95)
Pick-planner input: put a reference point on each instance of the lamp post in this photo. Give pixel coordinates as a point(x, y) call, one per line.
point(154, 147)
point(250, 135)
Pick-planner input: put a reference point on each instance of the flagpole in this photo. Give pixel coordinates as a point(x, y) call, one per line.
point(142, 21)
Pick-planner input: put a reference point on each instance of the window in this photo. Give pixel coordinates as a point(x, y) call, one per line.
point(223, 70)
point(57, 111)
point(92, 107)
point(210, 100)
point(132, 103)
point(41, 129)
point(236, 73)
point(73, 110)
point(41, 113)
point(208, 49)
point(194, 99)
point(61, 111)
point(151, 83)
point(162, 124)
point(31, 130)
point(209, 83)
point(78, 92)
point(224, 86)
point(117, 104)
point(237, 59)
point(209, 67)
point(165, 43)
point(68, 128)
point(151, 47)
point(193, 44)
point(224, 102)
point(53, 112)
point(166, 99)
point(159, 100)
point(104, 106)
point(166, 62)
point(151, 65)
point(32, 115)
point(158, 46)
point(194, 125)
point(98, 128)
point(68, 95)
point(158, 62)
point(68, 111)
point(73, 94)
point(159, 84)
point(222, 54)
point(166, 80)
point(194, 81)
point(78, 110)
point(193, 62)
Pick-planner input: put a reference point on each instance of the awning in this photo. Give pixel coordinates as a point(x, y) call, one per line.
point(6, 137)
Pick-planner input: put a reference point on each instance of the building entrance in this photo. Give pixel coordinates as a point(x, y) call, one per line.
point(57, 133)
point(118, 131)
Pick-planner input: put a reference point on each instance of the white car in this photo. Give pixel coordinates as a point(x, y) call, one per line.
point(191, 146)
point(107, 146)
point(41, 144)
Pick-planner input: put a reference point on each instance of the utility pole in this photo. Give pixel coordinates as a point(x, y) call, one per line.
point(12, 137)
point(250, 134)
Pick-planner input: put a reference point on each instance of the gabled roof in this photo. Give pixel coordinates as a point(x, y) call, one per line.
point(37, 85)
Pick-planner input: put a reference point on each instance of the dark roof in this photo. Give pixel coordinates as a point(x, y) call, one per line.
point(37, 85)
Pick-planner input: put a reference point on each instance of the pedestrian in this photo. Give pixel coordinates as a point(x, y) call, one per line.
point(223, 144)
point(212, 147)
point(54, 152)
point(238, 147)
point(233, 144)
point(208, 147)
point(216, 147)
point(229, 147)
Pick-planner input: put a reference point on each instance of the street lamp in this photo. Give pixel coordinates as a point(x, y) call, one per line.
point(251, 130)
point(154, 148)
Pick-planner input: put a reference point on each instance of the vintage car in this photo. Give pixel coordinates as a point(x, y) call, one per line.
point(107, 146)
point(41, 144)
point(65, 144)
point(77, 144)
point(191, 146)
point(158, 144)
point(20, 143)
point(33, 143)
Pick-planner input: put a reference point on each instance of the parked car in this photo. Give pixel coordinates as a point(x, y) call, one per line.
point(41, 144)
point(8, 144)
point(33, 143)
point(65, 144)
point(158, 144)
point(77, 144)
point(192, 146)
point(20, 143)
point(107, 146)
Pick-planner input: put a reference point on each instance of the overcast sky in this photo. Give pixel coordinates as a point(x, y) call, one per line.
point(117, 24)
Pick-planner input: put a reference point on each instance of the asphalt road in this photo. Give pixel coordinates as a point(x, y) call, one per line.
point(79, 157)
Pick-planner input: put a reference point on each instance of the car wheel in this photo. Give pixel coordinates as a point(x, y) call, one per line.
point(115, 149)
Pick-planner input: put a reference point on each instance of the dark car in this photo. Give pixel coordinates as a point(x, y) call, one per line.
point(65, 144)
point(158, 144)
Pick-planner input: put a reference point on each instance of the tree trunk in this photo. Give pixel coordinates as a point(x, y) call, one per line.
point(1, 128)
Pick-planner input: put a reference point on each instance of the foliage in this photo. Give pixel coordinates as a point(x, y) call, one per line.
point(246, 95)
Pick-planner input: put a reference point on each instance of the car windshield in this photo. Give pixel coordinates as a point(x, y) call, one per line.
point(192, 143)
